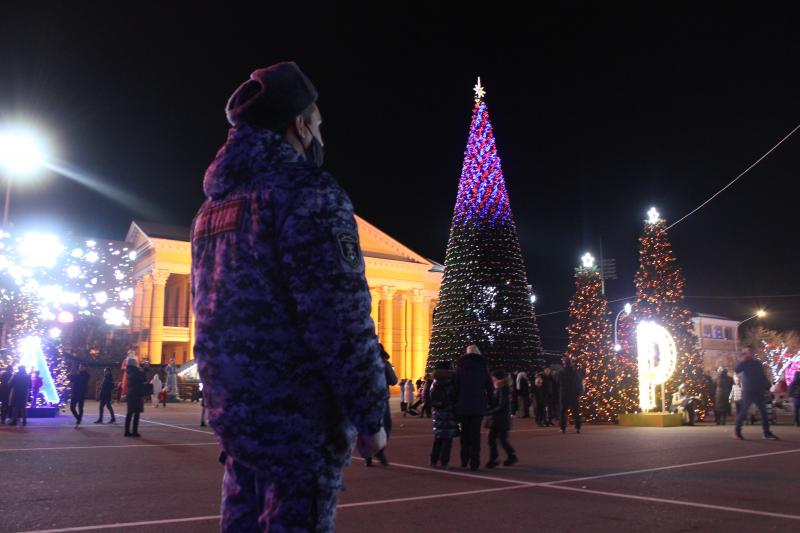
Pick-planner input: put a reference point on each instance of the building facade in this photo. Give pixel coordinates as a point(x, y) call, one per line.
point(404, 288)
point(718, 339)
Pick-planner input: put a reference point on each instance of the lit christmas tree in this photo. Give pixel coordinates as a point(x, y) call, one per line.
point(590, 346)
point(484, 297)
point(659, 297)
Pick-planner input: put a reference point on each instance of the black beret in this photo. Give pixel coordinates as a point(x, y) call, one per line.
point(272, 96)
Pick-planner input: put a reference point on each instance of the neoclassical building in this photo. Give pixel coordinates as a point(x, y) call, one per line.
point(403, 284)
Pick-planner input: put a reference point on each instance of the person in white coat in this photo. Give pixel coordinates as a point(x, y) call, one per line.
point(156, 382)
point(408, 394)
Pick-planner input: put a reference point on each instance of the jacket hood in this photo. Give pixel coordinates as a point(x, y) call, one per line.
point(249, 154)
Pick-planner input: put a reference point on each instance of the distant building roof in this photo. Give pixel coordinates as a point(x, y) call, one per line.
point(164, 231)
point(705, 315)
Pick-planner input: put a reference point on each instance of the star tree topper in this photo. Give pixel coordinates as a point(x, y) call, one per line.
point(480, 92)
point(588, 260)
point(653, 216)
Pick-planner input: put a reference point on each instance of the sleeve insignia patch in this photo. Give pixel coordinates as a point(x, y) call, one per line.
point(348, 246)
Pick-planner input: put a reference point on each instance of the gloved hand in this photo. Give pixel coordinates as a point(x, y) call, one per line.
point(369, 445)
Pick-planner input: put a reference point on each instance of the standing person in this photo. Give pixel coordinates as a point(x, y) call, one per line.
point(550, 395)
point(514, 394)
point(794, 394)
point(409, 397)
point(445, 424)
point(20, 389)
point(391, 380)
point(501, 421)
point(5, 393)
point(157, 386)
point(524, 393)
point(539, 399)
point(403, 404)
point(754, 387)
point(570, 387)
point(80, 386)
point(425, 411)
point(736, 393)
point(202, 406)
point(134, 398)
point(475, 391)
point(281, 301)
point(722, 394)
point(171, 381)
point(36, 386)
point(106, 390)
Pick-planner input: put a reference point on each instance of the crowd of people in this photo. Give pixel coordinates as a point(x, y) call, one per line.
point(20, 391)
point(540, 398)
point(461, 400)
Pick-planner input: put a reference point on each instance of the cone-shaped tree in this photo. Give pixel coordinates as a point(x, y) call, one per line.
point(484, 298)
point(659, 297)
point(590, 346)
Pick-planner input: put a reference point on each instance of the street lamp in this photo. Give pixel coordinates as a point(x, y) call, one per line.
point(627, 310)
point(21, 153)
point(761, 313)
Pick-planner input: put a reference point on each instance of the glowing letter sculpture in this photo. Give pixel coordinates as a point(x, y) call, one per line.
point(657, 358)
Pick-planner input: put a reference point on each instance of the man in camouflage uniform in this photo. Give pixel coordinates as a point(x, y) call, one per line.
point(285, 345)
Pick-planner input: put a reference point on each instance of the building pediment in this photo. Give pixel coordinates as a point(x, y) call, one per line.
point(379, 245)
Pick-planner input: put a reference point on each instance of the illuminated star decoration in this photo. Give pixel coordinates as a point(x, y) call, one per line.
point(588, 260)
point(480, 92)
point(653, 216)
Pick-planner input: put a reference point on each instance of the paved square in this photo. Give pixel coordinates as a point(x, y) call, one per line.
point(608, 478)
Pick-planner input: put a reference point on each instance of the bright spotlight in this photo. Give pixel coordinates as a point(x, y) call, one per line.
point(21, 151)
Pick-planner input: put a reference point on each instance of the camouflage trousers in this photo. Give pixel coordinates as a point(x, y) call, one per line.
point(292, 502)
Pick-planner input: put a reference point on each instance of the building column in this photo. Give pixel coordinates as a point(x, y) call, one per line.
point(144, 315)
point(399, 354)
point(387, 304)
point(136, 306)
point(421, 333)
point(159, 283)
point(375, 295)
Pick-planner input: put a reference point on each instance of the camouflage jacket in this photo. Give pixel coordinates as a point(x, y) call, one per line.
point(284, 341)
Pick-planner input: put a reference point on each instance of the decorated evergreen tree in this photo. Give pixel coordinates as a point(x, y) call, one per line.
point(627, 363)
point(484, 298)
point(659, 297)
point(590, 346)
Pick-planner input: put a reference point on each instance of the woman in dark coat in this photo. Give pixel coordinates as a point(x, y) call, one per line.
point(391, 380)
point(135, 397)
point(445, 423)
point(722, 393)
point(5, 392)
point(20, 389)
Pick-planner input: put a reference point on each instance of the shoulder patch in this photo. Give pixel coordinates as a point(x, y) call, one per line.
point(226, 216)
point(348, 246)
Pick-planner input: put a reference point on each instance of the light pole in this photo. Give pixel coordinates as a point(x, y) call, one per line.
point(761, 313)
point(21, 153)
point(627, 310)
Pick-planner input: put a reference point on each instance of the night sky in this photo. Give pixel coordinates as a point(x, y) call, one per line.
point(597, 115)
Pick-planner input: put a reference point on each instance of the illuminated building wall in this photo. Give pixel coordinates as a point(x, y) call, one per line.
point(403, 284)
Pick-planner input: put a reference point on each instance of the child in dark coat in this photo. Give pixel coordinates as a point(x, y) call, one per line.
point(501, 421)
point(445, 425)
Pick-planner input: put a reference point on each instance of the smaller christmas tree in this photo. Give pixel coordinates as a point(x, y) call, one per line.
point(659, 298)
point(590, 346)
